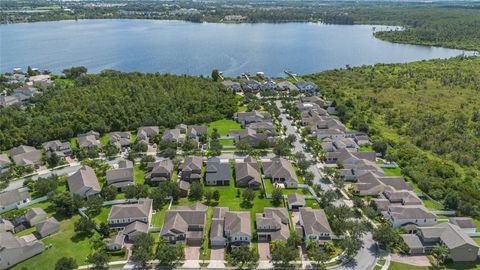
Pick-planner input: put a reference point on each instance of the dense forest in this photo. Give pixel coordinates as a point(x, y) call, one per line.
point(447, 24)
point(113, 101)
point(429, 114)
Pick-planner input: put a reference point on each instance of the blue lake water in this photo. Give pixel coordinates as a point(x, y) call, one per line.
point(191, 48)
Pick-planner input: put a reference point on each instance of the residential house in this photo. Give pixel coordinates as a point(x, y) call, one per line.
point(315, 225)
point(251, 85)
point(315, 99)
point(16, 78)
point(232, 86)
point(359, 167)
point(123, 215)
point(14, 249)
point(280, 170)
point(6, 101)
point(197, 132)
point(286, 86)
point(35, 215)
point(84, 182)
point(48, 227)
point(306, 87)
point(42, 79)
point(160, 171)
point(6, 226)
point(185, 224)
point(411, 214)
point(217, 236)
point(373, 184)
point(121, 177)
point(184, 188)
point(120, 139)
point(237, 228)
point(23, 94)
point(116, 242)
point(460, 246)
point(247, 173)
point(147, 132)
point(246, 118)
point(272, 224)
point(191, 168)
point(61, 150)
point(467, 224)
point(26, 155)
point(347, 157)
point(182, 127)
point(362, 139)
point(345, 143)
point(172, 135)
point(328, 133)
point(269, 85)
point(217, 173)
point(295, 201)
point(4, 162)
point(10, 200)
point(250, 136)
point(263, 127)
point(90, 139)
point(135, 228)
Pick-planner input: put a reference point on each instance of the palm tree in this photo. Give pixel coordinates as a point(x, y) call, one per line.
point(440, 253)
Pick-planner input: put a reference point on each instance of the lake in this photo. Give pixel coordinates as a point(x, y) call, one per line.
point(197, 48)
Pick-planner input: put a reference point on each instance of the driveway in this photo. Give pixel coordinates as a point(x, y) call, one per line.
point(192, 255)
point(264, 251)
point(217, 257)
point(295, 217)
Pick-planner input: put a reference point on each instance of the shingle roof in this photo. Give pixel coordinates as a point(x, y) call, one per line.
point(84, 177)
point(410, 212)
point(249, 169)
point(33, 212)
point(463, 222)
point(25, 155)
point(192, 163)
point(135, 226)
point(279, 168)
point(412, 241)
point(12, 196)
point(120, 174)
point(314, 221)
point(179, 219)
point(48, 226)
point(138, 210)
point(295, 198)
point(238, 222)
point(217, 170)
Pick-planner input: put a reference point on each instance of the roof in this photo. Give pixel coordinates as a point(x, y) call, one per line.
point(184, 185)
point(47, 226)
point(178, 220)
point(13, 196)
point(84, 177)
point(118, 239)
point(451, 235)
point(217, 170)
point(138, 210)
point(120, 174)
point(25, 155)
point(171, 134)
point(314, 221)
point(248, 169)
point(10, 241)
point(412, 241)
point(162, 167)
point(295, 198)
point(198, 130)
point(148, 131)
point(192, 163)
point(135, 226)
point(279, 168)
point(410, 212)
point(33, 212)
point(463, 222)
point(265, 125)
point(238, 222)
point(88, 139)
point(277, 220)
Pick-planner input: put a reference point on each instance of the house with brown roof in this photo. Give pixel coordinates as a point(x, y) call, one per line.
point(84, 182)
point(272, 224)
point(172, 135)
point(460, 246)
point(411, 214)
point(123, 216)
point(121, 140)
point(14, 249)
point(147, 132)
point(373, 184)
point(10, 200)
point(121, 177)
point(160, 171)
point(47, 227)
point(184, 188)
point(191, 168)
point(246, 118)
point(185, 224)
point(196, 132)
point(237, 228)
point(90, 139)
point(280, 170)
point(247, 173)
point(61, 150)
point(35, 215)
point(250, 136)
point(26, 155)
point(295, 201)
point(315, 225)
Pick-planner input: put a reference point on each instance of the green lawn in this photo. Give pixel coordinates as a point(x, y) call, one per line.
point(432, 205)
point(269, 188)
point(366, 148)
point(223, 126)
point(64, 244)
point(27, 231)
point(477, 221)
point(448, 266)
point(226, 142)
point(139, 175)
point(73, 143)
point(312, 203)
point(477, 240)
point(103, 216)
point(104, 139)
point(158, 217)
point(393, 171)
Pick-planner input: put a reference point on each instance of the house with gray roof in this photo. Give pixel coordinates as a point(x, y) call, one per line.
point(250, 136)
point(347, 157)
point(247, 173)
point(10, 200)
point(48, 227)
point(4, 162)
point(172, 135)
point(135, 228)
point(90, 139)
point(352, 171)
point(184, 188)
point(116, 242)
point(246, 118)
point(467, 224)
point(6, 226)
point(295, 201)
point(185, 224)
point(14, 249)
point(231, 85)
point(410, 214)
point(217, 236)
point(315, 225)
point(315, 99)
point(263, 127)
point(272, 224)
point(286, 86)
point(160, 171)
point(35, 215)
point(218, 172)
point(84, 182)
point(121, 140)
point(373, 184)
point(460, 246)
point(26, 155)
point(122, 215)
point(6, 101)
point(146, 132)
point(61, 150)
point(182, 127)
point(280, 170)
point(24, 93)
point(191, 168)
point(196, 132)
point(237, 228)
point(121, 177)
point(251, 85)
point(306, 87)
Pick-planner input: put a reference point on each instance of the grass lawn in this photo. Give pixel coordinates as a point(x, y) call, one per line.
point(73, 143)
point(477, 240)
point(365, 148)
point(269, 188)
point(477, 221)
point(104, 139)
point(431, 204)
point(312, 203)
point(139, 174)
point(223, 126)
point(103, 216)
point(64, 244)
point(392, 171)
point(158, 217)
point(226, 142)
point(447, 266)
point(27, 231)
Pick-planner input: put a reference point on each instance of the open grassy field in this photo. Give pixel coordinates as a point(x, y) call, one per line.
point(223, 126)
point(393, 171)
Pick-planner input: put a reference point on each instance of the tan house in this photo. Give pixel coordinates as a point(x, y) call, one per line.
point(315, 225)
point(247, 173)
point(84, 183)
point(14, 249)
point(185, 224)
point(272, 224)
point(280, 170)
point(35, 215)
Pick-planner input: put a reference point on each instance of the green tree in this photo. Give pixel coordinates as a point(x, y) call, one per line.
point(277, 196)
point(74, 72)
point(159, 197)
point(351, 246)
point(318, 255)
point(380, 147)
point(216, 195)
point(44, 186)
point(282, 254)
point(109, 193)
point(66, 263)
point(248, 195)
point(440, 253)
point(208, 196)
point(94, 206)
point(196, 191)
point(98, 259)
point(215, 75)
point(169, 255)
point(242, 255)
point(84, 226)
point(142, 249)
point(385, 235)
point(64, 203)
